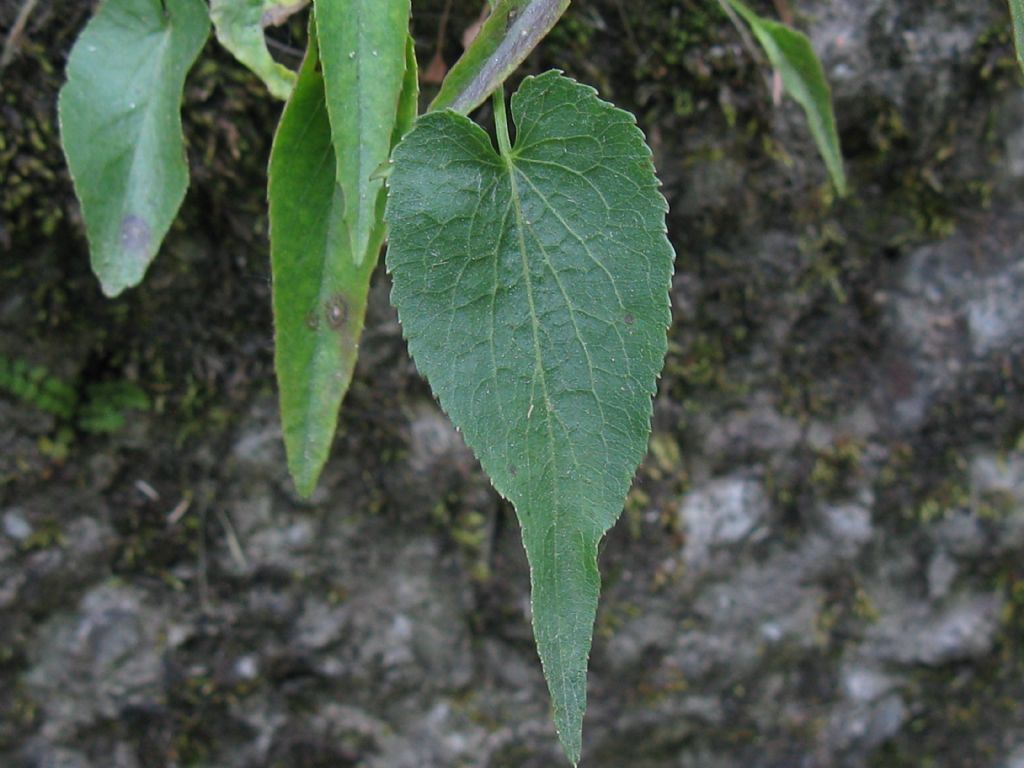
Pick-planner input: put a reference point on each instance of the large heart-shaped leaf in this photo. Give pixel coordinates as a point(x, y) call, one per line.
point(121, 128)
point(532, 287)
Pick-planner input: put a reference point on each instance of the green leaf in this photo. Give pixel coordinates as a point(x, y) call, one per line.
point(1017, 13)
point(363, 51)
point(319, 292)
point(409, 102)
point(532, 287)
point(121, 128)
point(791, 54)
point(239, 25)
point(511, 31)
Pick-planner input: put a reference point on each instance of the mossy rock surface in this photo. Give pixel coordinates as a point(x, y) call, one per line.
point(819, 563)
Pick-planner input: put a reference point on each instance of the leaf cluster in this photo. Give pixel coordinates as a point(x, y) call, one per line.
point(530, 276)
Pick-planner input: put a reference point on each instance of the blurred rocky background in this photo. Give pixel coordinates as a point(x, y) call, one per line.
point(820, 563)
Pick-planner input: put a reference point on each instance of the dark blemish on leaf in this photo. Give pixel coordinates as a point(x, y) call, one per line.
point(312, 321)
point(336, 311)
point(629, 318)
point(135, 235)
point(513, 470)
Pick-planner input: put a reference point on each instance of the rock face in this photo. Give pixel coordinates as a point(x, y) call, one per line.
point(820, 563)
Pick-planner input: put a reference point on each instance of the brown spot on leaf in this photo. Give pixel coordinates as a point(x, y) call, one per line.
point(135, 235)
point(513, 470)
point(336, 311)
point(629, 318)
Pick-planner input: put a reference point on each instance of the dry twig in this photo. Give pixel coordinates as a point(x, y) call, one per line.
point(17, 30)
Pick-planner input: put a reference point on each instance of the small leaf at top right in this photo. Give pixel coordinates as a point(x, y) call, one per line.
point(1017, 12)
point(791, 54)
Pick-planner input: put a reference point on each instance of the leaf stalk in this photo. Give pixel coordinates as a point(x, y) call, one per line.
point(501, 123)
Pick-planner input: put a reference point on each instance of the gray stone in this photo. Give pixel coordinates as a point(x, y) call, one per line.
point(860, 729)
point(634, 643)
point(89, 665)
point(15, 525)
point(995, 313)
point(960, 533)
point(439, 462)
point(942, 572)
point(44, 756)
point(434, 441)
point(998, 473)
point(849, 525)
point(759, 429)
point(1015, 759)
point(1015, 153)
point(863, 684)
point(722, 514)
point(259, 444)
point(963, 630)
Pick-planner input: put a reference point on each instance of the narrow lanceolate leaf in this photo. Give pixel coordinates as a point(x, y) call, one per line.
point(532, 287)
point(121, 128)
point(511, 31)
point(363, 50)
point(1017, 12)
point(319, 291)
point(791, 54)
point(239, 25)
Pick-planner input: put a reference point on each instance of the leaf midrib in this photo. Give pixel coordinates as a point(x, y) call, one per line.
point(567, 689)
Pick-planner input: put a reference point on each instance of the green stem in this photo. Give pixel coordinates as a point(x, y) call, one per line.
point(501, 122)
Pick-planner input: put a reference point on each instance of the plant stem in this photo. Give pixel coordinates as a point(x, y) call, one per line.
point(501, 122)
point(748, 41)
point(14, 36)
